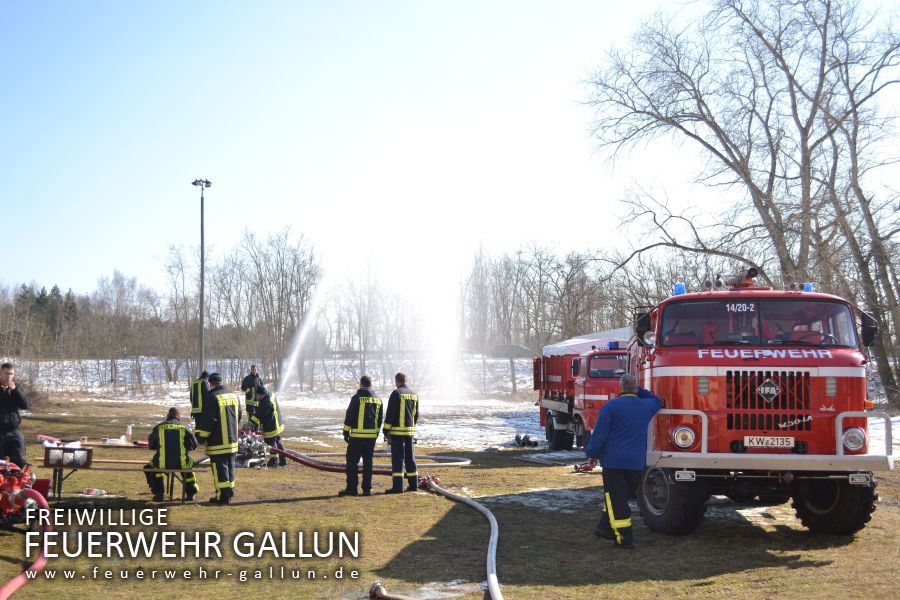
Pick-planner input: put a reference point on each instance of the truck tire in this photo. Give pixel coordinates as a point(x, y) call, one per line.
point(558, 439)
point(667, 507)
point(582, 435)
point(835, 507)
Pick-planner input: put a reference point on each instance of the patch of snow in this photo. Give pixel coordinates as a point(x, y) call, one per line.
point(878, 433)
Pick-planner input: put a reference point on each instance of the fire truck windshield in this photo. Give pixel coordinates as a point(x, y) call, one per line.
point(758, 321)
point(607, 366)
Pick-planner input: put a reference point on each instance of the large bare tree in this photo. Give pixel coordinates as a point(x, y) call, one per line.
point(780, 97)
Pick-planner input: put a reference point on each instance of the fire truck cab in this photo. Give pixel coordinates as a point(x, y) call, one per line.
point(765, 397)
point(574, 379)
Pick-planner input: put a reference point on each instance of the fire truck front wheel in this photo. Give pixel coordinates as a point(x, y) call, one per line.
point(668, 507)
point(834, 507)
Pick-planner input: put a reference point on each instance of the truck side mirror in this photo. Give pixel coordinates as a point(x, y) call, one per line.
point(869, 329)
point(641, 327)
point(575, 367)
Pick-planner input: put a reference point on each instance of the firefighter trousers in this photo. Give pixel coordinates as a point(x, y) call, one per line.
point(619, 486)
point(251, 426)
point(12, 446)
point(275, 442)
point(359, 448)
point(402, 452)
point(157, 487)
point(223, 475)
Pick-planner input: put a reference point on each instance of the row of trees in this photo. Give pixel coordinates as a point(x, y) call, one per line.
point(260, 294)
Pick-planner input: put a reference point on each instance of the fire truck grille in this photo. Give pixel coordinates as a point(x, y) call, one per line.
point(756, 421)
point(768, 400)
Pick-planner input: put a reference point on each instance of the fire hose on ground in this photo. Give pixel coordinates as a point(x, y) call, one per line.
point(432, 483)
point(314, 461)
point(19, 500)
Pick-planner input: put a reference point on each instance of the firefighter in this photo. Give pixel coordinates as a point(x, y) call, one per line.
point(172, 442)
point(248, 386)
point(267, 418)
point(198, 392)
point(361, 425)
point(12, 440)
point(400, 420)
point(218, 428)
point(619, 440)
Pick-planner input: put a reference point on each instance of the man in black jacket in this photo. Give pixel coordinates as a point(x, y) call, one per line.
point(172, 442)
point(361, 425)
point(269, 423)
point(218, 428)
point(248, 386)
point(400, 420)
point(12, 441)
point(198, 391)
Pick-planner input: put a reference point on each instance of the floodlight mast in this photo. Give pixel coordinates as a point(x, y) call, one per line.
point(202, 184)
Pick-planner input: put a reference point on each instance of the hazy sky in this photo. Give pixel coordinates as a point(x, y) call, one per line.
point(395, 131)
point(398, 133)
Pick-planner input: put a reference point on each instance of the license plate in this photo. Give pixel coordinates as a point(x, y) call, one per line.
point(768, 441)
point(860, 479)
point(685, 476)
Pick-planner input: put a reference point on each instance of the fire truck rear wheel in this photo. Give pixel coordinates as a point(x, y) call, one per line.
point(668, 507)
point(559, 439)
point(835, 507)
point(582, 435)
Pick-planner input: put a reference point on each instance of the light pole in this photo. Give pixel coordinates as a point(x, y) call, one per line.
point(202, 184)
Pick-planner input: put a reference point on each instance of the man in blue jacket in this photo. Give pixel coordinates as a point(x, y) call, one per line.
point(619, 441)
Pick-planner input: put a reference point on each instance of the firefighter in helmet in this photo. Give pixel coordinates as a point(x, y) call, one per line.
point(218, 428)
point(361, 425)
point(172, 442)
point(198, 390)
point(619, 441)
point(267, 418)
point(400, 420)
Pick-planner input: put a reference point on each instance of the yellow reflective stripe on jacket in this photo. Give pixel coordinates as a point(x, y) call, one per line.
point(197, 397)
point(361, 431)
point(279, 427)
point(222, 449)
point(183, 459)
point(402, 428)
point(277, 431)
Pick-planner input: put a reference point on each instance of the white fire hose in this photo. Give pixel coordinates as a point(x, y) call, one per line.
point(492, 582)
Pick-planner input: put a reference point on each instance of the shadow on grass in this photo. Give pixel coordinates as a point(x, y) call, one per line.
point(555, 546)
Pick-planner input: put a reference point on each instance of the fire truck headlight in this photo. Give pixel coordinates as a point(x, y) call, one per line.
point(684, 437)
point(650, 338)
point(854, 439)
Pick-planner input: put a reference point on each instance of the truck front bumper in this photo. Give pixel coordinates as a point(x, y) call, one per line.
point(769, 462)
point(772, 462)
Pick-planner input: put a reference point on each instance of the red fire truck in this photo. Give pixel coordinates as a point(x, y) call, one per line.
point(574, 379)
point(765, 396)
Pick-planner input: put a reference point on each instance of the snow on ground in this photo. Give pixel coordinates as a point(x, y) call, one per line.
point(877, 433)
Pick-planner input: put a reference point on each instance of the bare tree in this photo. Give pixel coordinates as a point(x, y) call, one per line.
point(781, 97)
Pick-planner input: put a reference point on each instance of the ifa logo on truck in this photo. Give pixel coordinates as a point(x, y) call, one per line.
point(767, 390)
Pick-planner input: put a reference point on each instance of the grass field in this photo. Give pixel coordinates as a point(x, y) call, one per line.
point(427, 546)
